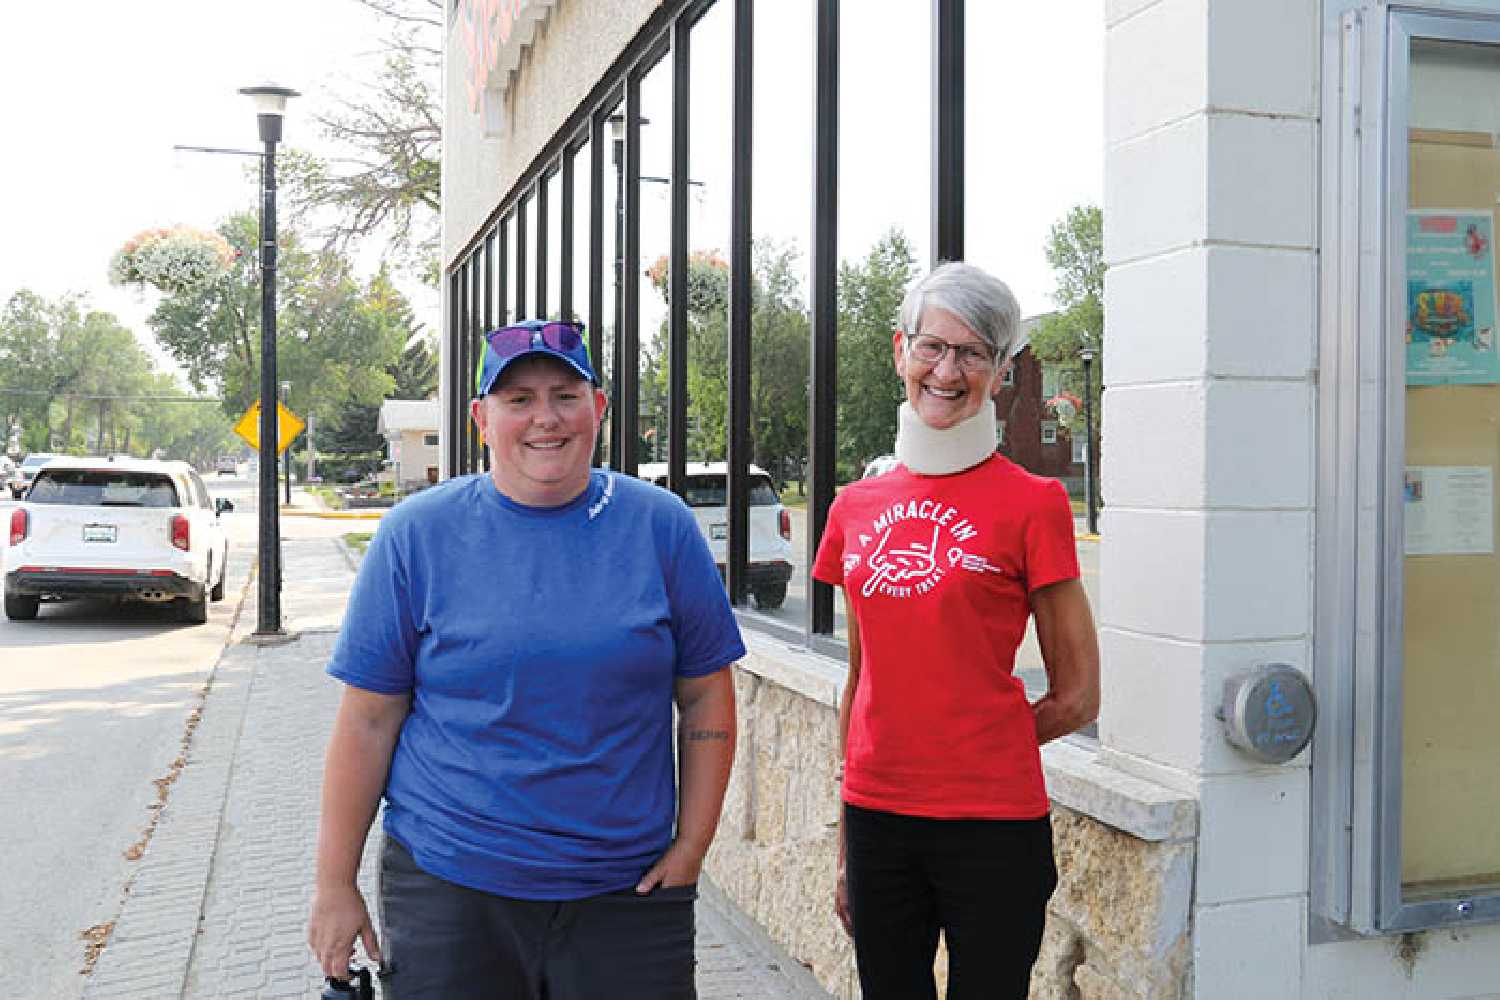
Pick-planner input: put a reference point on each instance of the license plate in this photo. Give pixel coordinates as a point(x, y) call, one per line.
point(99, 532)
point(718, 532)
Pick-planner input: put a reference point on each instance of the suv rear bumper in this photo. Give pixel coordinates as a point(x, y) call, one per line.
point(101, 583)
point(761, 574)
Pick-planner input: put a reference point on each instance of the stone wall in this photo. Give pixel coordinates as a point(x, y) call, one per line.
point(1117, 927)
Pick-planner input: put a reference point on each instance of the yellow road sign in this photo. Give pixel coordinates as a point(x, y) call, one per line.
point(288, 426)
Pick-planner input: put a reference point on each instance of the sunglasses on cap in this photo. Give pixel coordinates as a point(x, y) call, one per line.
point(561, 339)
point(508, 341)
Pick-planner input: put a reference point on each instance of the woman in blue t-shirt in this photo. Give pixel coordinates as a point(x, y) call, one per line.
point(513, 650)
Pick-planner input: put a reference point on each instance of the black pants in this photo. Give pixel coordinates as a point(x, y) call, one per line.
point(983, 883)
point(450, 942)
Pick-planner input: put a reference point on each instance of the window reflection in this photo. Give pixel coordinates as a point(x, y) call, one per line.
point(656, 244)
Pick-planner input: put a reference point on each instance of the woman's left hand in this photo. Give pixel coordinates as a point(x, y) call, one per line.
point(679, 866)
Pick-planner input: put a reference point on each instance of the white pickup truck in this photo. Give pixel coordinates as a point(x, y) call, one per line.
point(124, 528)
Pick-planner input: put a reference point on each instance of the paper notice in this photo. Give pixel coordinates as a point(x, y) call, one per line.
point(1450, 510)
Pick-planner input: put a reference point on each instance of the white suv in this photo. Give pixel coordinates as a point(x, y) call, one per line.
point(124, 528)
point(707, 492)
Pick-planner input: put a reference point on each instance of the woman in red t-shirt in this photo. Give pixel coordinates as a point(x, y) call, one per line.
point(941, 560)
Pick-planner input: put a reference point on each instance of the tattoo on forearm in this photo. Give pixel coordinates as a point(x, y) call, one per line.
point(708, 734)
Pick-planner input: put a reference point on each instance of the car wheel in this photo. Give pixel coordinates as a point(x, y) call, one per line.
point(770, 597)
point(21, 607)
point(217, 594)
point(194, 611)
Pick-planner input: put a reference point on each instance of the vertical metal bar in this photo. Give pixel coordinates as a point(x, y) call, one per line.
point(596, 251)
point(541, 245)
point(521, 258)
point(491, 310)
point(565, 225)
point(617, 159)
point(456, 415)
point(476, 330)
point(677, 319)
point(823, 395)
point(628, 370)
point(740, 278)
point(502, 273)
point(460, 352)
point(947, 130)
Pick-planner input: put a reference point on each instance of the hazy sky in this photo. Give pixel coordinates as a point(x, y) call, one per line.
point(98, 92)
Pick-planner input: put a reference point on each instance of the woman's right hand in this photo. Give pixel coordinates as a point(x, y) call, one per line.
point(338, 917)
point(841, 897)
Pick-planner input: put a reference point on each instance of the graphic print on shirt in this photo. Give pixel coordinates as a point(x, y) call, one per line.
point(916, 544)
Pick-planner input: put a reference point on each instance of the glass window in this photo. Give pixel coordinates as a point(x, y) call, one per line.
point(780, 323)
point(1451, 653)
point(507, 268)
point(583, 182)
point(656, 244)
point(431, 440)
point(1027, 168)
point(526, 261)
point(884, 229)
point(613, 265)
point(1049, 432)
point(90, 488)
point(552, 266)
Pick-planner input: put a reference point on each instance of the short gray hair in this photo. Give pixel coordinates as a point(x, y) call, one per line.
point(981, 301)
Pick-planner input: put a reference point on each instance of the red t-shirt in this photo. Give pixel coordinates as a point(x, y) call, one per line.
point(937, 571)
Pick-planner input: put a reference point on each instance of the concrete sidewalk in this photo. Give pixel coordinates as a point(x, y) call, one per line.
point(218, 905)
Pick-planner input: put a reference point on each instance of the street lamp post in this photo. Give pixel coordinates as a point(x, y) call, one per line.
point(1090, 474)
point(270, 105)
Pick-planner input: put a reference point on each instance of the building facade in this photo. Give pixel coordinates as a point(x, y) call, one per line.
point(1301, 408)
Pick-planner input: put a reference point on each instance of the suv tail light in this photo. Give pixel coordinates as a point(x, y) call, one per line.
point(20, 523)
point(182, 537)
point(786, 525)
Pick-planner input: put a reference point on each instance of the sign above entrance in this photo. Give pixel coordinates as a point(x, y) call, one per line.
point(493, 34)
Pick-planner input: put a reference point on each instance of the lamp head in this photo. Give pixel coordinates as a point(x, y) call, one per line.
point(1086, 355)
point(270, 106)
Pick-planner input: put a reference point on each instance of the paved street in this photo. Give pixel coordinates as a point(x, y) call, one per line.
point(93, 703)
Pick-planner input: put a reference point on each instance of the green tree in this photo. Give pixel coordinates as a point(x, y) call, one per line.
point(869, 393)
point(213, 331)
point(385, 179)
point(77, 381)
point(779, 352)
point(1075, 249)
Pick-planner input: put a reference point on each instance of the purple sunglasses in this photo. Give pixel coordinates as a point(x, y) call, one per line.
point(509, 341)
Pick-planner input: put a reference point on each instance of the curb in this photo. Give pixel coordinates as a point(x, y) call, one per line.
point(334, 515)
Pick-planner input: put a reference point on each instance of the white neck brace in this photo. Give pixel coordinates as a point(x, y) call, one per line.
point(931, 452)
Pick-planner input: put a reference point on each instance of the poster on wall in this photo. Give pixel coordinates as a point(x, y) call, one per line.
point(1449, 510)
point(1450, 298)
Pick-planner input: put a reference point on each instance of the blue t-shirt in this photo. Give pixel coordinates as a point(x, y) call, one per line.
point(541, 647)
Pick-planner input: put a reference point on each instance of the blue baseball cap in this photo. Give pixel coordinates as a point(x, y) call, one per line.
point(561, 339)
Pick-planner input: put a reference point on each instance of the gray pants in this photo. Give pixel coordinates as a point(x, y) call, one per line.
point(449, 942)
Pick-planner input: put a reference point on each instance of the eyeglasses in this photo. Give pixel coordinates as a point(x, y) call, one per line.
point(931, 350)
point(509, 341)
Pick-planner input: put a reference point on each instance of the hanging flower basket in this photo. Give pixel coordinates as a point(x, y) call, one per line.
point(173, 261)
